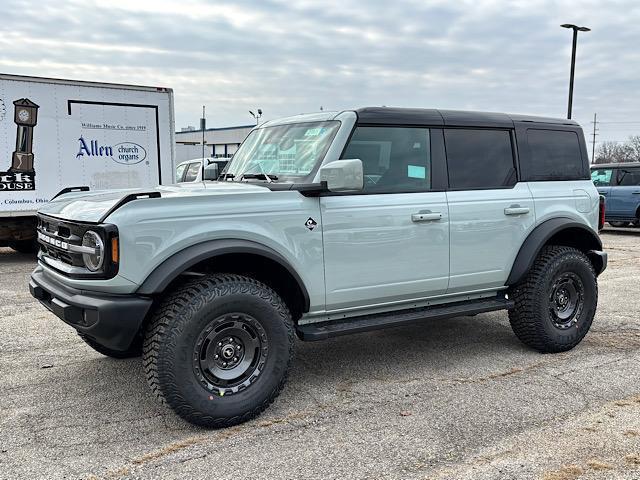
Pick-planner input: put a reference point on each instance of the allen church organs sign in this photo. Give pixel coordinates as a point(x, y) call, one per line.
point(21, 174)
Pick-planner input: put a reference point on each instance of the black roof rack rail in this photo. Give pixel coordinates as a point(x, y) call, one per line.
point(70, 190)
point(129, 198)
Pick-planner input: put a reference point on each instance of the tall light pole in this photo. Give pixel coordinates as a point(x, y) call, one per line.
point(257, 117)
point(575, 29)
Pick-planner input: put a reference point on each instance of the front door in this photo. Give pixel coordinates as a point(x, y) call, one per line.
point(389, 244)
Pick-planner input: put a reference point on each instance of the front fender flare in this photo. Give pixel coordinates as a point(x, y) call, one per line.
point(539, 237)
point(178, 263)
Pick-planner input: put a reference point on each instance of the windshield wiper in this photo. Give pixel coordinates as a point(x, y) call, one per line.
point(260, 176)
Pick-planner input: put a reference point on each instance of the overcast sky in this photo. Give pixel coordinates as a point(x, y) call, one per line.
point(294, 56)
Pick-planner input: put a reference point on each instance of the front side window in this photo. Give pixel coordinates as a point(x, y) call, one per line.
point(283, 151)
point(555, 155)
point(601, 177)
point(180, 172)
point(479, 158)
point(394, 159)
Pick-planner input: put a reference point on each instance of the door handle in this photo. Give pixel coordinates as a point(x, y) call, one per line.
point(516, 210)
point(636, 193)
point(426, 216)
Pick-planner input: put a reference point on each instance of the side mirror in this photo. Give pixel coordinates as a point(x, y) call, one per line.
point(211, 172)
point(343, 175)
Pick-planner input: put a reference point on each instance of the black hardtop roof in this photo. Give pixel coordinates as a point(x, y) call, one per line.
point(427, 116)
point(615, 165)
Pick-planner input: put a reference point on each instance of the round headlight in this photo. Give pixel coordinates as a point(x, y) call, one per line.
point(93, 261)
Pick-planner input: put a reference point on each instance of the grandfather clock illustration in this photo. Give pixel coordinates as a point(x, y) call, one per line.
point(26, 117)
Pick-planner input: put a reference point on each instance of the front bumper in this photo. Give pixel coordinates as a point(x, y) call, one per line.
point(111, 320)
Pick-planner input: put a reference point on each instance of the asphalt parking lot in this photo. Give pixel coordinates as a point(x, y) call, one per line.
point(456, 399)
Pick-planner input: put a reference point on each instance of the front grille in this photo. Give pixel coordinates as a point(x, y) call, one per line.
point(63, 233)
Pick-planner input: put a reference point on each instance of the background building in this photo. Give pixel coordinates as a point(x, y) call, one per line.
point(218, 142)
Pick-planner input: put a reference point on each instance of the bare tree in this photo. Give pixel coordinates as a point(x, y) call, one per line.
point(612, 152)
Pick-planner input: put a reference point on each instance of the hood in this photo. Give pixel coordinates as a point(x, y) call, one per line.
point(92, 206)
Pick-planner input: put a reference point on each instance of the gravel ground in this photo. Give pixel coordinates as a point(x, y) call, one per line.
point(456, 399)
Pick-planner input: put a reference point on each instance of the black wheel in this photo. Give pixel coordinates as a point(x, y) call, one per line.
point(134, 351)
point(25, 246)
point(556, 302)
point(619, 224)
point(218, 349)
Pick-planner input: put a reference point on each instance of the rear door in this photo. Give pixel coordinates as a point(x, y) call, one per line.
point(388, 244)
point(625, 196)
point(490, 212)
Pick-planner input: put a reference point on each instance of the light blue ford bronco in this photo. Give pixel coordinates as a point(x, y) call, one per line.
point(324, 225)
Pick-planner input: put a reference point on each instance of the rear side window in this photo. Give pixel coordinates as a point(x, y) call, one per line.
point(628, 177)
point(479, 158)
point(394, 159)
point(601, 177)
point(554, 155)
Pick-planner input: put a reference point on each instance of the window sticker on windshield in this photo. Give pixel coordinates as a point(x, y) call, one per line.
point(314, 132)
point(415, 171)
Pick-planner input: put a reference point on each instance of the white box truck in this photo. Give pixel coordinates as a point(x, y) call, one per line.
point(56, 134)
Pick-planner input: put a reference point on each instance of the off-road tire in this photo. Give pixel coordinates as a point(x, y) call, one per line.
point(134, 351)
point(25, 246)
point(173, 336)
point(532, 320)
point(613, 223)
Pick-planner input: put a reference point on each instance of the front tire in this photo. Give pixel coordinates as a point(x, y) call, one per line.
point(556, 302)
point(218, 349)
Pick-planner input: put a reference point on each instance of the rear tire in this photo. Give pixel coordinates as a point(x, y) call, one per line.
point(556, 302)
point(619, 224)
point(134, 351)
point(218, 349)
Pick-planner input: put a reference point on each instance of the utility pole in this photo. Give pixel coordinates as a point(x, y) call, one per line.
point(593, 148)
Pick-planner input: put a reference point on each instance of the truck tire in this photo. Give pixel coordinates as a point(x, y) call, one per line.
point(556, 302)
point(619, 224)
point(134, 351)
point(25, 246)
point(218, 349)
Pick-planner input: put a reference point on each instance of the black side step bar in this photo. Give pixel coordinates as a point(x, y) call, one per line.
point(365, 323)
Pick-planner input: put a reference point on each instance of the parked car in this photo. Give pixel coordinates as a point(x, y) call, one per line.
point(191, 170)
point(620, 184)
point(324, 225)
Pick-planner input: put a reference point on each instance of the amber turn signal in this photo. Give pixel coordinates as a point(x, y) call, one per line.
point(115, 250)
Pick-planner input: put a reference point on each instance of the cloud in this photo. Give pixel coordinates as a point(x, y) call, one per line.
point(290, 57)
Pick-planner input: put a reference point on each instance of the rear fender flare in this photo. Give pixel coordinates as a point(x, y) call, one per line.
point(541, 235)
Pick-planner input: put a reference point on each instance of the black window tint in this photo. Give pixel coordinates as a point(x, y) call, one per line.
point(555, 155)
point(479, 158)
point(628, 177)
point(394, 159)
point(192, 172)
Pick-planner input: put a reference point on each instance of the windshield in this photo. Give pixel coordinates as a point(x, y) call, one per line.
point(284, 150)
